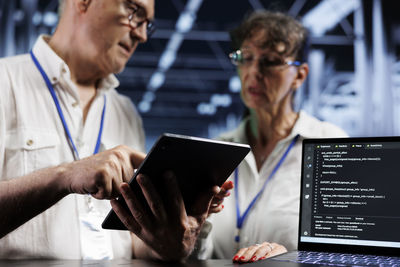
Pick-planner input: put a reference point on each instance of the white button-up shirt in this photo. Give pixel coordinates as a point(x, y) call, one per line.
point(32, 137)
point(275, 215)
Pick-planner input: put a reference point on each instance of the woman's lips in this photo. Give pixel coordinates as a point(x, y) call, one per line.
point(255, 91)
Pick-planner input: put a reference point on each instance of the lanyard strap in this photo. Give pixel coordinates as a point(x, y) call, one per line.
point(61, 114)
point(240, 219)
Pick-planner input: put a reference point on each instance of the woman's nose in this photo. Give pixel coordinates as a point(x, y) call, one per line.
point(255, 68)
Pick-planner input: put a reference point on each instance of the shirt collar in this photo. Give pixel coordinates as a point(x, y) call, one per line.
point(238, 135)
point(57, 70)
point(51, 63)
point(304, 127)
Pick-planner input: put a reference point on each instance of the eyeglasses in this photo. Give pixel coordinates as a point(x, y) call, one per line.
point(244, 58)
point(137, 17)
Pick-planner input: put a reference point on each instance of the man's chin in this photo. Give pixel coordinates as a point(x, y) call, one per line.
point(118, 67)
point(119, 70)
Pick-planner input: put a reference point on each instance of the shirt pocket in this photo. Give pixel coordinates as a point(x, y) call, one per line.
point(27, 150)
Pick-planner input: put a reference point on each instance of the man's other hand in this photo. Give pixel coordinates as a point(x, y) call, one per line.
point(164, 225)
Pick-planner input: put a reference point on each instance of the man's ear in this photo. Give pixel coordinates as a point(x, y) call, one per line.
point(302, 72)
point(82, 5)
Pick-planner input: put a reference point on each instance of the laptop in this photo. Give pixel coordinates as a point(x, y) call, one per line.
point(349, 207)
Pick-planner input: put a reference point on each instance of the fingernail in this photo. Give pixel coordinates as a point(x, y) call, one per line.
point(253, 258)
point(139, 179)
point(263, 258)
point(235, 258)
point(228, 194)
point(241, 258)
point(124, 188)
point(222, 206)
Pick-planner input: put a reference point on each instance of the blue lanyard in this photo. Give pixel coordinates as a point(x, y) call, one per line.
point(240, 219)
point(61, 114)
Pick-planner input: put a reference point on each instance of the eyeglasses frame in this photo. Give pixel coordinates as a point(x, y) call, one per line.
point(234, 61)
point(150, 26)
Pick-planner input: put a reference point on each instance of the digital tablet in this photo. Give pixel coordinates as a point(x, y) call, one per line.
point(198, 164)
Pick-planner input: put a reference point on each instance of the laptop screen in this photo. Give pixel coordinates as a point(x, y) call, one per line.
point(350, 193)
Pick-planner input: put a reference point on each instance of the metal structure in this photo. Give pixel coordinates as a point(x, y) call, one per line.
point(181, 80)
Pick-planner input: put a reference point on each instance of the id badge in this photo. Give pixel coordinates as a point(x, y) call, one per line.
point(96, 243)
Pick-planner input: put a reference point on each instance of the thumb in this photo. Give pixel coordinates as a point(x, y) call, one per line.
point(203, 201)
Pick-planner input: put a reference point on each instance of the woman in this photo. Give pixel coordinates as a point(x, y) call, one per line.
point(269, 54)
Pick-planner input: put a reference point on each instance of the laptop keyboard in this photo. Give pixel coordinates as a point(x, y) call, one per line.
point(338, 259)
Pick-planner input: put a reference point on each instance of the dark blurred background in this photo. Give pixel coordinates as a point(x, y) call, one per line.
point(182, 81)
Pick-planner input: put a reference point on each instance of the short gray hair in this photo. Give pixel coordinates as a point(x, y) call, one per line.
point(278, 27)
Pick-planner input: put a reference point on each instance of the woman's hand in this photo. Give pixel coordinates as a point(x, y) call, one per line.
point(216, 203)
point(258, 252)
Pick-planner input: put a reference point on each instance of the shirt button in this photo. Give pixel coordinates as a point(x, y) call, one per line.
point(74, 105)
point(54, 79)
point(29, 142)
point(63, 70)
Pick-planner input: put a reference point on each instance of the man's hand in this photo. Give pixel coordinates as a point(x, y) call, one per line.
point(101, 175)
point(218, 199)
point(164, 226)
point(258, 252)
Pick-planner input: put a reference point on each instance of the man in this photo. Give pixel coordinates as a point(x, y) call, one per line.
point(58, 107)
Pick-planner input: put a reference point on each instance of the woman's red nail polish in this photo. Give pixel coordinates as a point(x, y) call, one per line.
point(235, 258)
point(253, 258)
point(222, 206)
point(263, 258)
point(241, 258)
